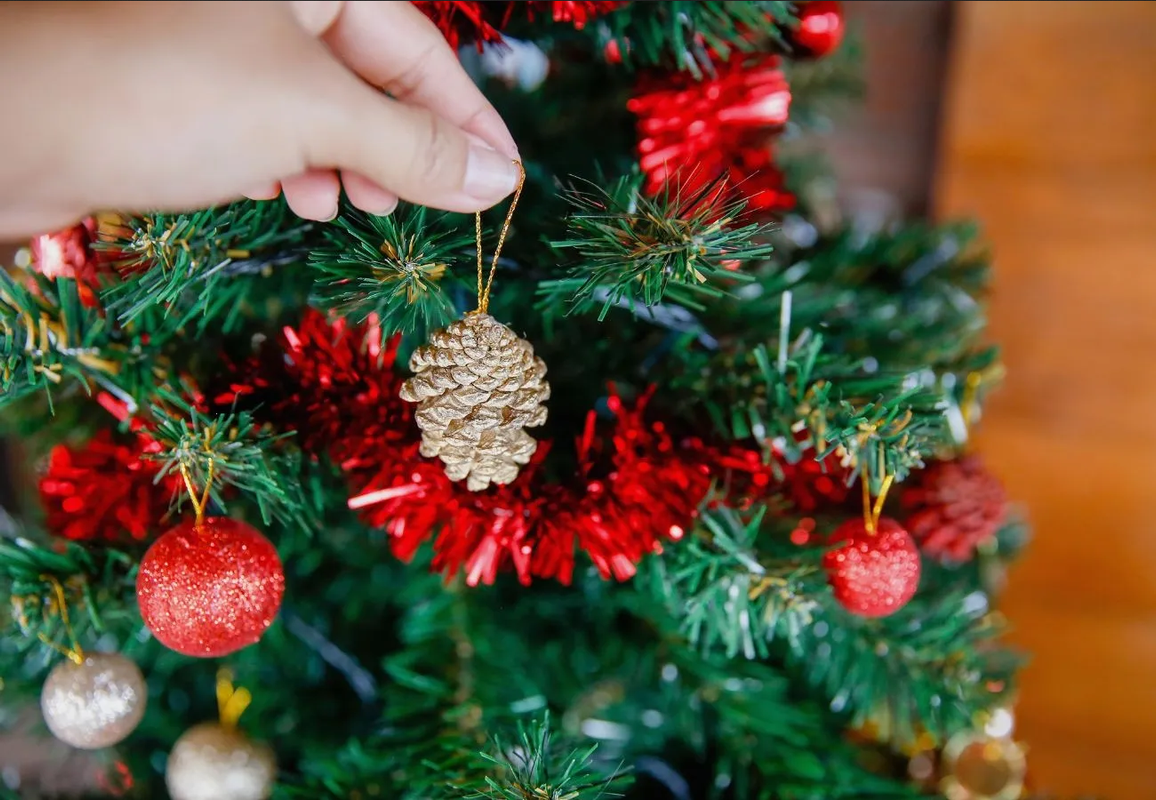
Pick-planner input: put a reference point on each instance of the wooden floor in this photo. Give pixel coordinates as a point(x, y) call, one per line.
point(1049, 137)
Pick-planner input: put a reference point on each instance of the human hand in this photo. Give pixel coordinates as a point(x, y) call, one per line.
point(180, 105)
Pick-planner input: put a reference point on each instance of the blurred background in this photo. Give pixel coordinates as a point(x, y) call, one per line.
point(1038, 120)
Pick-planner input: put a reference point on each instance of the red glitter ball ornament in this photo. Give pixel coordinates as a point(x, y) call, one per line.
point(873, 574)
point(953, 507)
point(692, 133)
point(106, 490)
point(211, 588)
point(820, 30)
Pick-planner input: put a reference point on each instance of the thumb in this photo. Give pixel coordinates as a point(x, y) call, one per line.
point(414, 151)
point(409, 151)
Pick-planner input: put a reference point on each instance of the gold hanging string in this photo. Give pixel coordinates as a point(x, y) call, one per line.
point(972, 384)
point(74, 653)
point(484, 292)
point(199, 502)
point(970, 394)
point(231, 701)
point(872, 512)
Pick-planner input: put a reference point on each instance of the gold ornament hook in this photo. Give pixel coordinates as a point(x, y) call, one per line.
point(231, 700)
point(484, 292)
point(73, 653)
point(872, 513)
point(199, 502)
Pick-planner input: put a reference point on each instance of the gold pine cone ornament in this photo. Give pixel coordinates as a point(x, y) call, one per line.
point(478, 386)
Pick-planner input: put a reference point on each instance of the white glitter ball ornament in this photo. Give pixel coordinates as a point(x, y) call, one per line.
point(95, 703)
point(214, 762)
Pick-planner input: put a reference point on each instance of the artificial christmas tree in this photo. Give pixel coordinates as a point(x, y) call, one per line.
point(299, 451)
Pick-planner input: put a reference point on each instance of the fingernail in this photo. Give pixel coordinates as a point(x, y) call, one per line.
point(331, 217)
point(490, 176)
point(383, 211)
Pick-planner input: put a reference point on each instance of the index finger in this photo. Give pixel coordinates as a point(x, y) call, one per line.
point(394, 46)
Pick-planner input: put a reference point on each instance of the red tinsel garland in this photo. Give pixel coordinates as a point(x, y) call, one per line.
point(106, 490)
point(461, 21)
point(635, 487)
point(693, 132)
point(633, 490)
point(468, 21)
point(577, 12)
point(68, 253)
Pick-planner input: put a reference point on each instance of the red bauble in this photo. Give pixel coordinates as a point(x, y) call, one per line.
point(693, 132)
point(210, 589)
point(954, 506)
point(873, 574)
point(821, 28)
point(106, 490)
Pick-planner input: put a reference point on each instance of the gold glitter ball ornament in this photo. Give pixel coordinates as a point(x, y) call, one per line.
point(95, 703)
point(214, 762)
point(477, 386)
point(981, 767)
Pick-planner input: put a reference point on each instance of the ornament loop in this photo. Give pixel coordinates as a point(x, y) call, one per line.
point(231, 700)
point(73, 653)
point(201, 502)
point(484, 292)
point(872, 513)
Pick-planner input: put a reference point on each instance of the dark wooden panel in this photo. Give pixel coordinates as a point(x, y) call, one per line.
point(1048, 139)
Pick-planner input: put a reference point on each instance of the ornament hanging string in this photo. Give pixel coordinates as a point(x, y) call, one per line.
point(970, 400)
point(484, 293)
point(872, 513)
point(201, 502)
point(73, 653)
point(231, 701)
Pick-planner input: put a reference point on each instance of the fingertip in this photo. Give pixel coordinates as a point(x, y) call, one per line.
point(316, 16)
point(493, 131)
point(367, 195)
point(313, 195)
point(268, 191)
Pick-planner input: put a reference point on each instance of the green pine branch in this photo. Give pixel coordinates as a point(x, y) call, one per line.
point(47, 338)
point(229, 454)
point(203, 265)
point(909, 297)
point(425, 764)
point(632, 249)
point(536, 765)
point(396, 267)
point(811, 404)
point(929, 668)
point(51, 343)
point(684, 33)
point(96, 585)
point(871, 346)
point(730, 601)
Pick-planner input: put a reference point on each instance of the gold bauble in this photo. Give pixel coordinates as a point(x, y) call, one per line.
point(214, 762)
point(981, 767)
point(477, 386)
point(95, 703)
